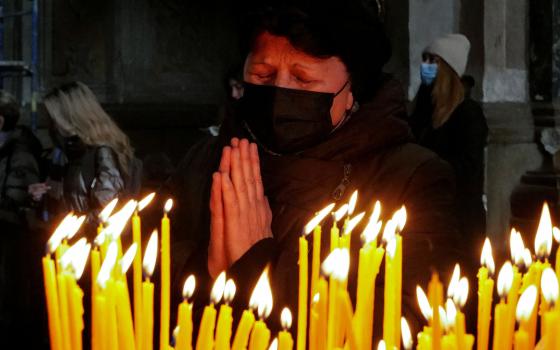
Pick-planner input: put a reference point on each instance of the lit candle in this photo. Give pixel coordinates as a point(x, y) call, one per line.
point(137, 269)
point(505, 279)
point(165, 277)
point(184, 318)
point(285, 341)
point(322, 313)
point(149, 264)
point(260, 335)
point(349, 227)
point(406, 335)
point(225, 319)
point(527, 303)
point(51, 294)
point(485, 289)
point(347, 316)
point(314, 323)
point(328, 268)
point(241, 338)
point(516, 249)
point(435, 296)
point(551, 313)
point(335, 232)
point(449, 317)
point(124, 312)
point(464, 341)
point(556, 233)
point(205, 338)
point(315, 226)
point(107, 318)
point(302, 294)
point(346, 237)
point(370, 257)
point(425, 337)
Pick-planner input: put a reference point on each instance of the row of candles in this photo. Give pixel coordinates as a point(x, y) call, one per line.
point(326, 316)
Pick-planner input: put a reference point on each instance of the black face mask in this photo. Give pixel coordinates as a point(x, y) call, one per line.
point(284, 120)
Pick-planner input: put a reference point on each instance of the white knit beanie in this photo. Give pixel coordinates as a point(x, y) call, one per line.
point(454, 49)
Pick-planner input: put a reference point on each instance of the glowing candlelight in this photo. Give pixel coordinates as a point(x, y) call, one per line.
point(208, 323)
point(146, 201)
point(285, 341)
point(352, 203)
point(505, 280)
point(406, 335)
point(108, 210)
point(128, 258)
point(525, 307)
point(165, 303)
point(184, 318)
point(485, 290)
point(149, 264)
point(424, 304)
point(263, 300)
point(454, 282)
point(225, 318)
point(551, 313)
point(543, 238)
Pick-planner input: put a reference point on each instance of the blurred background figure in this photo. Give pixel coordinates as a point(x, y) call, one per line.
point(93, 161)
point(447, 121)
point(20, 152)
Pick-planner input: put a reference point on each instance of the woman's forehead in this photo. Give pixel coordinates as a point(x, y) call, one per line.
point(274, 50)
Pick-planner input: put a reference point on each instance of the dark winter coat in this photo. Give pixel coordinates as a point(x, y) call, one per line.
point(373, 153)
point(460, 141)
point(19, 168)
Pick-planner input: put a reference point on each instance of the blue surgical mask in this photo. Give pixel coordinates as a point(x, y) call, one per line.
point(428, 73)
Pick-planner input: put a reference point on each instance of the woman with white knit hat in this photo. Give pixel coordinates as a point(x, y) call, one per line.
point(454, 127)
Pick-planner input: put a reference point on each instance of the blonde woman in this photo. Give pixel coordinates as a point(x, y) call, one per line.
point(96, 154)
point(454, 127)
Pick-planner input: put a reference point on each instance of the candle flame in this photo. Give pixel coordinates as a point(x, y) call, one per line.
point(527, 258)
point(318, 218)
point(549, 286)
point(229, 291)
point(75, 227)
point(462, 294)
point(261, 299)
point(353, 223)
point(516, 247)
point(61, 232)
point(106, 212)
point(128, 258)
point(376, 212)
point(188, 287)
point(108, 264)
point(381, 345)
point(328, 266)
point(342, 265)
point(556, 233)
point(274, 344)
point(316, 298)
point(543, 239)
point(80, 260)
point(70, 254)
point(486, 258)
point(424, 304)
point(399, 217)
point(389, 231)
point(406, 334)
point(150, 256)
point(286, 319)
point(371, 231)
point(443, 318)
point(146, 201)
point(168, 206)
point(450, 313)
point(526, 304)
point(352, 203)
point(392, 247)
point(339, 214)
point(454, 282)
point(505, 279)
point(118, 221)
point(218, 288)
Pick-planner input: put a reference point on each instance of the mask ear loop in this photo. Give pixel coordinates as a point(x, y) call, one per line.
point(347, 113)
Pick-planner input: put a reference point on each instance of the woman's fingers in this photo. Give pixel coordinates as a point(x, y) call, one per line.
point(216, 249)
point(234, 142)
point(241, 190)
point(246, 167)
point(235, 241)
point(256, 167)
point(225, 161)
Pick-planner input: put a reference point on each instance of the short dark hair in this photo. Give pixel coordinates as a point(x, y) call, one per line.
point(9, 109)
point(343, 29)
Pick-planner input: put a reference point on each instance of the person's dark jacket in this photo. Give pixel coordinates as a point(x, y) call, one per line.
point(460, 141)
point(373, 153)
point(19, 168)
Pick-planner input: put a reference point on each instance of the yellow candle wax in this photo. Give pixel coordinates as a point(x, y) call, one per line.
point(241, 338)
point(184, 318)
point(165, 278)
point(113, 332)
point(551, 327)
point(285, 341)
point(316, 259)
point(485, 292)
point(521, 340)
point(500, 316)
point(148, 315)
point(461, 332)
point(100, 339)
point(260, 337)
point(425, 339)
point(302, 294)
point(550, 313)
point(347, 315)
point(137, 279)
point(322, 313)
point(392, 302)
point(513, 297)
point(335, 235)
point(314, 323)
point(332, 324)
point(205, 338)
point(76, 311)
point(435, 296)
point(64, 311)
point(51, 297)
point(223, 327)
point(124, 317)
point(449, 342)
